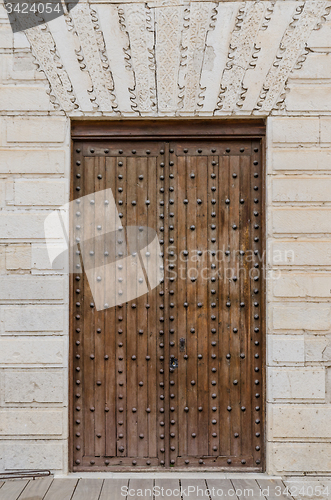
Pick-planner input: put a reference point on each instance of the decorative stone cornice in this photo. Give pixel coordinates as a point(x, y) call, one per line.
point(166, 59)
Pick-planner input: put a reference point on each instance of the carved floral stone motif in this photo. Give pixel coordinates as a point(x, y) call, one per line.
point(167, 59)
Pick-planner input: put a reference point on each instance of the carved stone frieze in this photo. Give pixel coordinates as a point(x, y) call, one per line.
point(169, 58)
point(242, 50)
point(92, 55)
point(138, 21)
point(169, 23)
point(199, 20)
point(292, 48)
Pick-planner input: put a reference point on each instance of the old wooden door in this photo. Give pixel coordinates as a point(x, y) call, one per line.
point(173, 377)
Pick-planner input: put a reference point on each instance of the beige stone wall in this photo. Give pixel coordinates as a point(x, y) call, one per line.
point(34, 172)
point(299, 309)
point(34, 180)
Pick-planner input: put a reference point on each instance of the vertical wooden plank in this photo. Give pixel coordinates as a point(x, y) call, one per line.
point(214, 263)
point(232, 356)
point(169, 381)
point(61, 489)
point(152, 332)
point(221, 488)
point(164, 485)
point(110, 332)
point(114, 489)
point(182, 331)
point(225, 329)
point(89, 311)
point(174, 307)
point(203, 305)
point(99, 364)
point(36, 488)
point(121, 310)
point(245, 358)
point(88, 489)
point(77, 313)
point(274, 488)
point(247, 488)
point(196, 488)
point(141, 488)
point(257, 325)
point(132, 384)
point(142, 314)
point(192, 344)
point(160, 312)
point(12, 489)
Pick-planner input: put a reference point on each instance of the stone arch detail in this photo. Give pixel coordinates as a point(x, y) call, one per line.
point(196, 59)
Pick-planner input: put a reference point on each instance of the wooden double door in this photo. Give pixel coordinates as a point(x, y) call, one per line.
point(173, 377)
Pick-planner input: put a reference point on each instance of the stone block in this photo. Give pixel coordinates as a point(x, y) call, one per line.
point(300, 253)
point(320, 39)
point(28, 422)
point(283, 349)
point(300, 421)
point(23, 225)
point(32, 350)
point(325, 129)
point(328, 384)
point(295, 130)
point(18, 257)
point(2, 259)
point(302, 189)
point(317, 66)
point(317, 348)
point(33, 386)
point(38, 455)
point(29, 318)
point(19, 98)
point(301, 159)
point(296, 384)
point(40, 192)
point(301, 316)
point(6, 192)
point(31, 161)
point(40, 259)
point(6, 37)
point(37, 130)
point(23, 65)
point(288, 458)
point(301, 220)
point(32, 288)
point(21, 41)
point(291, 284)
point(308, 97)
